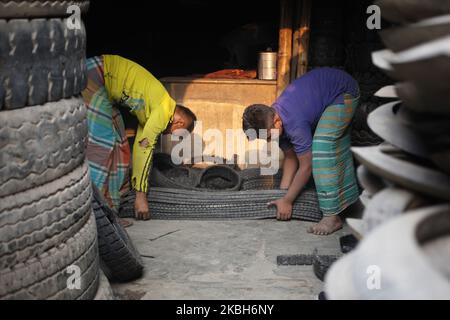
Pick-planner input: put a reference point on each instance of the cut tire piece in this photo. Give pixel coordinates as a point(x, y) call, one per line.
point(386, 123)
point(348, 243)
point(404, 12)
point(407, 270)
point(39, 8)
point(388, 204)
point(42, 61)
point(219, 178)
point(53, 141)
point(47, 276)
point(403, 38)
point(395, 166)
point(34, 221)
point(370, 182)
point(116, 249)
point(295, 260)
point(321, 264)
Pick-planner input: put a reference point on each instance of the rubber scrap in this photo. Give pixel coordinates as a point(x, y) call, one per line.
point(321, 264)
point(295, 260)
point(348, 243)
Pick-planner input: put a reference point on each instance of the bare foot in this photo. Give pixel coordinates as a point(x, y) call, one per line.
point(327, 226)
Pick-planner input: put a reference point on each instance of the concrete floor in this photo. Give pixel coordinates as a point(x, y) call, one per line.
point(225, 260)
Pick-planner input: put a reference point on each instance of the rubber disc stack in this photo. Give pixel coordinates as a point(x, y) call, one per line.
point(405, 229)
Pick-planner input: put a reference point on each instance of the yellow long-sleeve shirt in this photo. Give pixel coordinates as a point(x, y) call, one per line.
point(129, 84)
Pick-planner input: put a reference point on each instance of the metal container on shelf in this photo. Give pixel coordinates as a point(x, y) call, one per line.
point(267, 65)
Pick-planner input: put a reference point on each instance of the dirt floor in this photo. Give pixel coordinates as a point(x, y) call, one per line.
point(225, 260)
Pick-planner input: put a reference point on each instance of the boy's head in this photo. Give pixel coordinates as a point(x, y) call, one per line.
point(261, 117)
point(183, 118)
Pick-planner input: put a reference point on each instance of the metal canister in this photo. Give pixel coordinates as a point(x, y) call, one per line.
point(267, 65)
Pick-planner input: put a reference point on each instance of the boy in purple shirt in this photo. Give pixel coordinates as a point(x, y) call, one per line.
point(313, 117)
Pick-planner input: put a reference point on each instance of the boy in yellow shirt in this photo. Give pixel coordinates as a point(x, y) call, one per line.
point(114, 82)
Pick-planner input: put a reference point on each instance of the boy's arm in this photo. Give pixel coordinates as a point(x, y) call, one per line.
point(290, 167)
point(143, 149)
point(142, 160)
point(301, 178)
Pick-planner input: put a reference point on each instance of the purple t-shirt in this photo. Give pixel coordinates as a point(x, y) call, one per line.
point(302, 104)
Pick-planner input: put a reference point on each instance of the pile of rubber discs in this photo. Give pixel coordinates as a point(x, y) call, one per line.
point(49, 244)
point(404, 252)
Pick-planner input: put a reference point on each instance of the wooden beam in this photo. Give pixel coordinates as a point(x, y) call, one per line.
point(285, 45)
point(296, 38)
point(304, 31)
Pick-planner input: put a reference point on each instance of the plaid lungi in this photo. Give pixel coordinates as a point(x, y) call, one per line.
point(333, 167)
point(108, 151)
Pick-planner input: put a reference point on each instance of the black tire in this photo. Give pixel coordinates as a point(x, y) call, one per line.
point(359, 57)
point(37, 220)
point(321, 264)
point(47, 276)
point(117, 252)
point(363, 138)
point(39, 8)
point(177, 204)
point(41, 61)
point(40, 144)
point(326, 51)
point(404, 12)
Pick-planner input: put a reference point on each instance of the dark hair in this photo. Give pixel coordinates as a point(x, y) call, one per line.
point(189, 114)
point(257, 117)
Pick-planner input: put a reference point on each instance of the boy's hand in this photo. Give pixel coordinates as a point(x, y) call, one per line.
point(141, 209)
point(284, 209)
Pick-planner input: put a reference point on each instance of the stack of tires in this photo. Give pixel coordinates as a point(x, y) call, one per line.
point(360, 42)
point(340, 39)
point(327, 35)
point(405, 230)
point(48, 234)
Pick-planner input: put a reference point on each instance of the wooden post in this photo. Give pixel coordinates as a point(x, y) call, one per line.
point(285, 46)
point(304, 32)
point(296, 38)
point(300, 42)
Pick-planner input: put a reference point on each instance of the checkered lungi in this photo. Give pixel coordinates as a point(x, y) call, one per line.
point(108, 151)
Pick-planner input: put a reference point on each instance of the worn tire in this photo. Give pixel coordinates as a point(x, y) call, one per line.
point(52, 143)
point(321, 264)
point(37, 220)
point(326, 51)
point(117, 252)
point(177, 204)
point(104, 291)
point(365, 138)
point(41, 61)
point(47, 276)
point(39, 8)
point(359, 57)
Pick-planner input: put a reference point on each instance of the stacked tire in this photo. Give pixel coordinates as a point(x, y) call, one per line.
point(48, 234)
point(327, 35)
point(360, 42)
point(341, 39)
